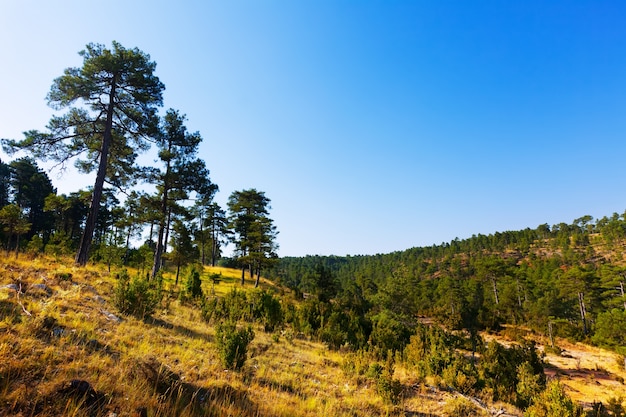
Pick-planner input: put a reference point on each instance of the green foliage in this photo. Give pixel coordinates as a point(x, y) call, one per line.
point(390, 331)
point(232, 344)
point(529, 384)
point(553, 402)
point(615, 407)
point(267, 309)
point(609, 330)
point(193, 285)
point(530, 277)
point(462, 376)
point(431, 350)
point(361, 363)
point(500, 369)
point(234, 306)
point(59, 244)
point(35, 245)
point(254, 232)
point(15, 223)
point(237, 305)
point(137, 296)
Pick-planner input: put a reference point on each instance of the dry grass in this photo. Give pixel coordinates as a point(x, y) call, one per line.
point(65, 330)
point(590, 374)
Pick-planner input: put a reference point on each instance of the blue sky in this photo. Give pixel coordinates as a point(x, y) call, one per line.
point(373, 126)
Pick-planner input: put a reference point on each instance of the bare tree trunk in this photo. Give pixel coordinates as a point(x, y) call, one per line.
point(167, 229)
point(202, 240)
point(583, 311)
point(495, 289)
point(550, 334)
point(158, 252)
point(213, 244)
point(258, 277)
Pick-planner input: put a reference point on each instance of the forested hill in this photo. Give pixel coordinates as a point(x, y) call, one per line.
point(568, 277)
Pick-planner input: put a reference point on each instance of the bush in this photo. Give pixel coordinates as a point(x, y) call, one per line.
point(137, 297)
point(232, 344)
point(609, 332)
point(389, 331)
point(193, 285)
point(388, 388)
point(462, 376)
point(267, 308)
point(501, 368)
point(553, 402)
point(615, 407)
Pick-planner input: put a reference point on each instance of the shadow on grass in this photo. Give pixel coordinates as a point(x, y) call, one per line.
point(180, 330)
point(182, 398)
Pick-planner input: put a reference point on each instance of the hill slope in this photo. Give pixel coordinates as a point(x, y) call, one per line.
point(67, 351)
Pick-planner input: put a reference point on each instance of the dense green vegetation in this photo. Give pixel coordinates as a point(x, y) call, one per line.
point(566, 279)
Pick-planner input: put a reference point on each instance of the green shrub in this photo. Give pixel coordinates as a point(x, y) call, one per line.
point(234, 306)
point(193, 285)
point(529, 384)
point(615, 407)
point(553, 402)
point(500, 369)
point(386, 386)
point(267, 309)
point(462, 376)
point(609, 330)
point(389, 388)
point(389, 331)
point(137, 296)
point(232, 344)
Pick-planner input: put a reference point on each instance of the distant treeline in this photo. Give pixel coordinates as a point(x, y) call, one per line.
point(563, 280)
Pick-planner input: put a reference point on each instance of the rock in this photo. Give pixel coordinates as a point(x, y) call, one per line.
point(111, 317)
point(11, 287)
point(82, 390)
point(42, 288)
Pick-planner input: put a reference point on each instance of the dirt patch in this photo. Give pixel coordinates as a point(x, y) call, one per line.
point(589, 374)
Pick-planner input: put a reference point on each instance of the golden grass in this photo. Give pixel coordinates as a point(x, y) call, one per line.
point(589, 374)
point(166, 365)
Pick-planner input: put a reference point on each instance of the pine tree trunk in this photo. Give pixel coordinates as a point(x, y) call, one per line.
point(202, 241)
point(17, 245)
point(158, 252)
point(167, 229)
point(258, 277)
point(82, 256)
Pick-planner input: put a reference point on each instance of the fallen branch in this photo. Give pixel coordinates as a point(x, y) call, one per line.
point(18, 292)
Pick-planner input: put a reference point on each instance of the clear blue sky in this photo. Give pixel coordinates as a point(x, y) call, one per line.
point(373, 126)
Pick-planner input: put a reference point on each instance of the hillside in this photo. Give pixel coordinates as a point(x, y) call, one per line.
point(67, 351)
